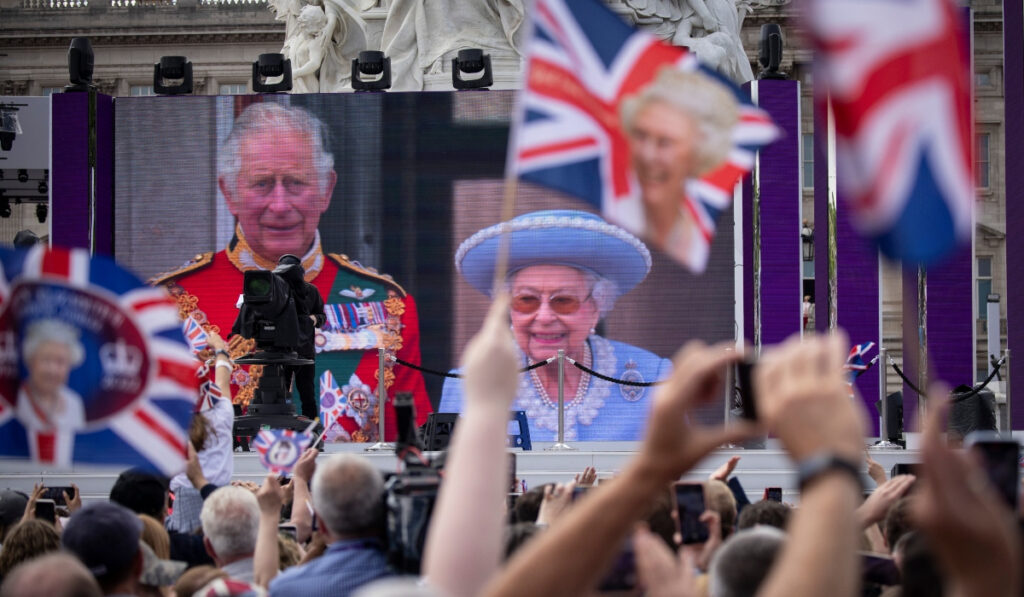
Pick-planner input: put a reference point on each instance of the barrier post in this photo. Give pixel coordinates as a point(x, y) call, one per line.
point(382, 400)
point(560, 444)
point(883, 442)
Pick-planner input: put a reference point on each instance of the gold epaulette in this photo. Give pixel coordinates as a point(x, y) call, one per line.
point(196, 263)
point(357, 268)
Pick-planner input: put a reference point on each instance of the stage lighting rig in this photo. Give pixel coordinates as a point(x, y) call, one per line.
point(472, 61)
point(42, 188)
point(376, 66)
point(22, 175)
point(5, 206)
point(80, 64)
point(268, 66)
point(172, 76)
point(770, 54)
point(41, 210)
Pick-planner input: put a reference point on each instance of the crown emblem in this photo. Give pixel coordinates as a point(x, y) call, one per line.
point(120, 360)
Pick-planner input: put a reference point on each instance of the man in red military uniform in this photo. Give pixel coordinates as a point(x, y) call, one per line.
point(277, 176)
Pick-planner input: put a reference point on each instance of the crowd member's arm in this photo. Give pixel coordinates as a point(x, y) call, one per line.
point(265, 559)
point(972, 532)
point(803, 396)
point(873, 510)
point(557, 499)
point(73, 501)
point(722, 473)
point(875, 470)
point(587, 478)
point(662, 573)
point(302, 474)
point(194, 472)
point(30, 506)
point(476, 474)
point(570, 558)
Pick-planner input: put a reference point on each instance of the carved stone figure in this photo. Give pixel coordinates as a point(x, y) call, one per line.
point(308, 49)
point(321, 42)
point(420, 36)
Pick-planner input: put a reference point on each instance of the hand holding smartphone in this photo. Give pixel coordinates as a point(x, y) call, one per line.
point(46, 510)
point(1001, 458)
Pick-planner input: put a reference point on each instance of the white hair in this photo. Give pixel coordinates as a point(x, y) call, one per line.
point(275, 118)
point(348, 494)
point(52, 330)
point(231, 520)
point(604, 291)
point(712, 107)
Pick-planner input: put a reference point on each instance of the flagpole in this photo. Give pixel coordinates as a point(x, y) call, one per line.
point(382, 398)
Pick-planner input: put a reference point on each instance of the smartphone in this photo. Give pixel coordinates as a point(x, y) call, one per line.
point(512, 485)
point(46, 510)
point(745, 387)
point(773, 494)
point(622, 575)
point(904, 468)
point(878, 569)
point(689, 507)
point(1001, 457)
point(287, 529)
point(57, 494)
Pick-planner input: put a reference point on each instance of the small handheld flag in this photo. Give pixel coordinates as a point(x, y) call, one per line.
point(280, 449)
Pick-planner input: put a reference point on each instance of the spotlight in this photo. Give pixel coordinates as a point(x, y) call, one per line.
point(22, 175)
point(168, 71)
point(5, 207)
point(472, 61)
point(43, 188)
point(770, 54)
point(41, 211)
point(271, 65)
point(377, 66)
point(80, 63)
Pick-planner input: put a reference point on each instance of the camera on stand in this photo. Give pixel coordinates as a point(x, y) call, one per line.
point(269, 314)
point(410, 495)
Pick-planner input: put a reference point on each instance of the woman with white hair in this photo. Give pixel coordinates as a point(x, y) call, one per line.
point(50, 350)
point(679, 129)
point(566, 269)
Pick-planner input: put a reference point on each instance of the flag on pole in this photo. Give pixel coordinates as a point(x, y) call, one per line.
point(897, 73)
point(637, 128)
point(280, 449)
point(126, 398)
point(333, 404)
point(855, 365)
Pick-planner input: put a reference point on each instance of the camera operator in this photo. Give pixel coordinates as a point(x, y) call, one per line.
point(310, 307)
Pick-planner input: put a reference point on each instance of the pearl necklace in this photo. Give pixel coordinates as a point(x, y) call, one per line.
point(581, 388)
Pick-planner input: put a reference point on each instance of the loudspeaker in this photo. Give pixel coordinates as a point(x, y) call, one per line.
point(893, 431)
point(437, 431)
point(972, 412)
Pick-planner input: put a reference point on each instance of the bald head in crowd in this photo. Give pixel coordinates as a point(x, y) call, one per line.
point(53, 575)
point(348, 495)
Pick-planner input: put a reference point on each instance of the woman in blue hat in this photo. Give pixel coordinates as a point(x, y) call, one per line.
point(566, 269)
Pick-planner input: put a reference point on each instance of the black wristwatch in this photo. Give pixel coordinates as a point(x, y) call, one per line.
point(221, 351)
point(811, 469)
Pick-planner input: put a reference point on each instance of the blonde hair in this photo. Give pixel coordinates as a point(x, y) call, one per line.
point(710, 104)
point(155, 536)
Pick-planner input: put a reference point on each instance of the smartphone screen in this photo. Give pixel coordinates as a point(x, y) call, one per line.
point(57, 494)
point(287, 529)
point(46, 510)
point(773, 494)
point(689, 507)
point(904, 468)
point(745, 385)
point(1002, 463)
point(879, 569)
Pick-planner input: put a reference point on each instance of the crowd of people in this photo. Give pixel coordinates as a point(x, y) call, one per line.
point(321, 531)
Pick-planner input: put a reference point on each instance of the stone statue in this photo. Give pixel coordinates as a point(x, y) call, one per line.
point(686, 22)
point(421, 36)
point(321, 39)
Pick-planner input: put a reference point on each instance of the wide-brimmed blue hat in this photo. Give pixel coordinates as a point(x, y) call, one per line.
point(556, 237)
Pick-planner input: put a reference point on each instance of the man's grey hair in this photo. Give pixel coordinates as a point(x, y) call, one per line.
point(231, 520)
point(604, 291)
point(52, 574)
point(743, 562)
point(275, 118)
point(53, 330)
point(712, 107)
point(348, 494)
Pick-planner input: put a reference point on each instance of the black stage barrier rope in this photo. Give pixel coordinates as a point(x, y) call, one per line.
point(984, 384)
point(456, 375)
point(640, 384)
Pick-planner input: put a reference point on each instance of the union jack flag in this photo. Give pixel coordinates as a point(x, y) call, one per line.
point(855, 365)
point(129, 399)
point(209, 394)
point(897, 74)
point(333, 403)
point(583, 62)
point(280, 449)
point(195, 334)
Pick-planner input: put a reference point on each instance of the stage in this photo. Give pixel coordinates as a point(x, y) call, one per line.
point(757, 469)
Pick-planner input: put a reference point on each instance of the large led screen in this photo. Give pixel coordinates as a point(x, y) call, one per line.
point(377, 195)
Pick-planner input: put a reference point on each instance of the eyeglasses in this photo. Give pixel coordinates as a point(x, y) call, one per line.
point(562, 304)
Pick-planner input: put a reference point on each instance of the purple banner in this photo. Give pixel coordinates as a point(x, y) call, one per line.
point(820, 220)
point(1013, 85)
point(857, 298)
point(104, 175)
point(780, 196)
point(911, 344)
point(950, 320)
point(69, 175)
